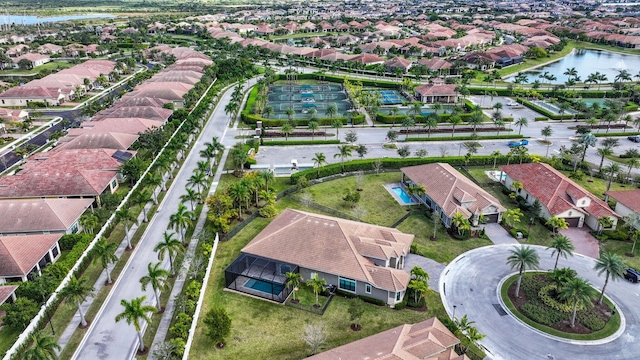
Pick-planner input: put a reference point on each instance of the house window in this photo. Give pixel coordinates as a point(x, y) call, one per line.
point(347, 284)
point(570, 212)
point(114, 184)
point(367, 289)
point(54, 251)
point(398, 294)
point(74, 228)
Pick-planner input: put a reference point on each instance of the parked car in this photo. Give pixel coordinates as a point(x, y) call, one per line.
point(514, 143)
point(635, 138)
point(632, 275)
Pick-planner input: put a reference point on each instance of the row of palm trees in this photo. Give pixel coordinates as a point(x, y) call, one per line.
point(577, 292)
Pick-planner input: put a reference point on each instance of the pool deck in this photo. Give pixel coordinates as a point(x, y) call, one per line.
point(390, 187)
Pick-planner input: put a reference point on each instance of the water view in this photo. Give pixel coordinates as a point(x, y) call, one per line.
point(33, 20)
point(587, 62)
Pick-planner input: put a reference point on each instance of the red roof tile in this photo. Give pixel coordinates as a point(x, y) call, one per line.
point(19, 254)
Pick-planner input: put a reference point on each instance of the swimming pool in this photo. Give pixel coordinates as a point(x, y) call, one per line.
point(264, 286)
point(403, 195)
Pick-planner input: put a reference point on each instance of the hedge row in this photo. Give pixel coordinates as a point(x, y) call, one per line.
point(253, 119)
point(298, 142)
point(548, 113)
point(458, 138)
point(630, 133)
point(442, 118)
point(340, 79)
point(394, 163)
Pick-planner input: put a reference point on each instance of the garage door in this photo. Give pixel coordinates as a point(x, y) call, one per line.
point(492, 218)
point(572, 222)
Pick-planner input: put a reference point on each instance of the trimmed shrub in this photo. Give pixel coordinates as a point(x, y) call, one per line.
point(371, 300)
point(514, 232)
point(346, 294)
point(549, 296)
point(630, 133)
point(542, 314)
point(541, 118)
point(68, 241)
point(460, 138)
point(590, 319)
point(298, 142)
point(618, 234)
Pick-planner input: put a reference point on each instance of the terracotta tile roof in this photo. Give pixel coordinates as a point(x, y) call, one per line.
point(122, 125)
point(37, 215)
point(554, 190)
point(332, 245)
point(628, 198)
point(97, 140)
point(19, 254)
point(429, 339)
point(142, 112)
point(432, 89)
point(435, 63)
point(450, 189)
point(6, 292)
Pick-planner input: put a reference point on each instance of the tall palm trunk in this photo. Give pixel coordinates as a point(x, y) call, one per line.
point(83, 321)
point(141, 348)
point(606, 281)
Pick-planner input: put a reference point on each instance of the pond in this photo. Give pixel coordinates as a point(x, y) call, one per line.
point(587, 62)
point(33, 20)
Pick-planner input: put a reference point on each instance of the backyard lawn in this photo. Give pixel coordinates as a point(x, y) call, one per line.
point(380, 207)
point(446, 248)
point(253, 321)
point(597, 186)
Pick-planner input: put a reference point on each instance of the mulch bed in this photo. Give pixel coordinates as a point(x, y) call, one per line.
point(562, 325)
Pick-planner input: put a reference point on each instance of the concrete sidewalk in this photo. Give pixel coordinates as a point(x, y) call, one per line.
point(498, 235)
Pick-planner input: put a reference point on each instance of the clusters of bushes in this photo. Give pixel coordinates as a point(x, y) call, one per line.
point(442, 118)
point(179, 331)
point(469, 137)
point(366, 299)
point(617, 235)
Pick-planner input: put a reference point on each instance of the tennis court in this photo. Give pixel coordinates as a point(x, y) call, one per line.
point(303, 98)
point(391, 97)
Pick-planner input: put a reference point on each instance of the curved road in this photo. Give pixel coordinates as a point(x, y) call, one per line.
point(470, 283)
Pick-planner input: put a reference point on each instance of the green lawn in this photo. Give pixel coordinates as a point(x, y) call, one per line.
point(381, 208)
point(254, 335)
point(446, 248)
point(597, 186)
point(49, 65)
point(622, 248)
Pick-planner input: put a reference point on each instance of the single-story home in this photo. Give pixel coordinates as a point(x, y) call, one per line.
point(449, 192)
point(627, 201)
point(41, 216)
point(357, 258)
point(558, 195)
point(24, 256)
point(437, 92)
point(428, 339)
point(7, 295)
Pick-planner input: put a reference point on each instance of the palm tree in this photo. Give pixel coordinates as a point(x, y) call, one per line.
point(170, 246)
point(124, 215)
point(267, 176)
point(476, 119)
point(604, 151)
point(611, 171)
point(454, 120)
point(474, 336)
point(579, 293)
point(199, 180)
point(142, 198)
point(75, 292)
point(154, 180)
point(522, 258)
point(157, 277)
point(290, 113)
point(520, 122)
point(44, 347)
point(293, 281)
point(181, 220)
point(332, 111)
point(104, 252)
point(561, 246)
point(461, 223)
point(496, 154)
point(317, 285)
point(557, 223)
point(344, 152)
point(612, 266)
point(431, 122)
point(408, 123)
point(546, 132)
point(268, 111)
point(217, 147)
point(239, 193)
point(286, 129)
point(89, 223)
point(313, 126)
point(632, 163)
point(134, 312)
point(192, 197)
point(318, 160)
point(337, 124)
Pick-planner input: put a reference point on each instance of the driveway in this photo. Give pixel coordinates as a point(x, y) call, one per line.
point(498, 235)
point(432, 267)
point(584, 242)
point(470, 282)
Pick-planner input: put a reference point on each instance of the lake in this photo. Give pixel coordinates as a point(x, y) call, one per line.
point(33, 20)
point(587, 62)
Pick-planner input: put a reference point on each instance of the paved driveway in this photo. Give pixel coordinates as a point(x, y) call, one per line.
point(432, 267)
point(584, 242)
point(498, 235)
point(470, 282)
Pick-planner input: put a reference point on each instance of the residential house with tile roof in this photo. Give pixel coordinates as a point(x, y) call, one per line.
point(437, 92)
point(7, 295)
point(627, 201)
point(448, 192)
point(428, 339)
point(97, 140)
point(41, 216)
point(558, 195)
point(25, 256)
point(358, 258)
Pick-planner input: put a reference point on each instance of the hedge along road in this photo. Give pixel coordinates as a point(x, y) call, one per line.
point(470, 283)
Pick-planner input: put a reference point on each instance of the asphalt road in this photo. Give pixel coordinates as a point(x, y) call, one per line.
point(470, 283)
point(105, 338)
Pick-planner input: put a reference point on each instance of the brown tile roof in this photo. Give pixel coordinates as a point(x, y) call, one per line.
point(19, 254)
point(552, 189)
point(122, 125)
point(333, 246)
point(433, 89)
point(449, 188)
point(97, 140)
point(628, 198)
point(37, 215)
point(6, 291)
point(143, 112)
point(428, 339)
